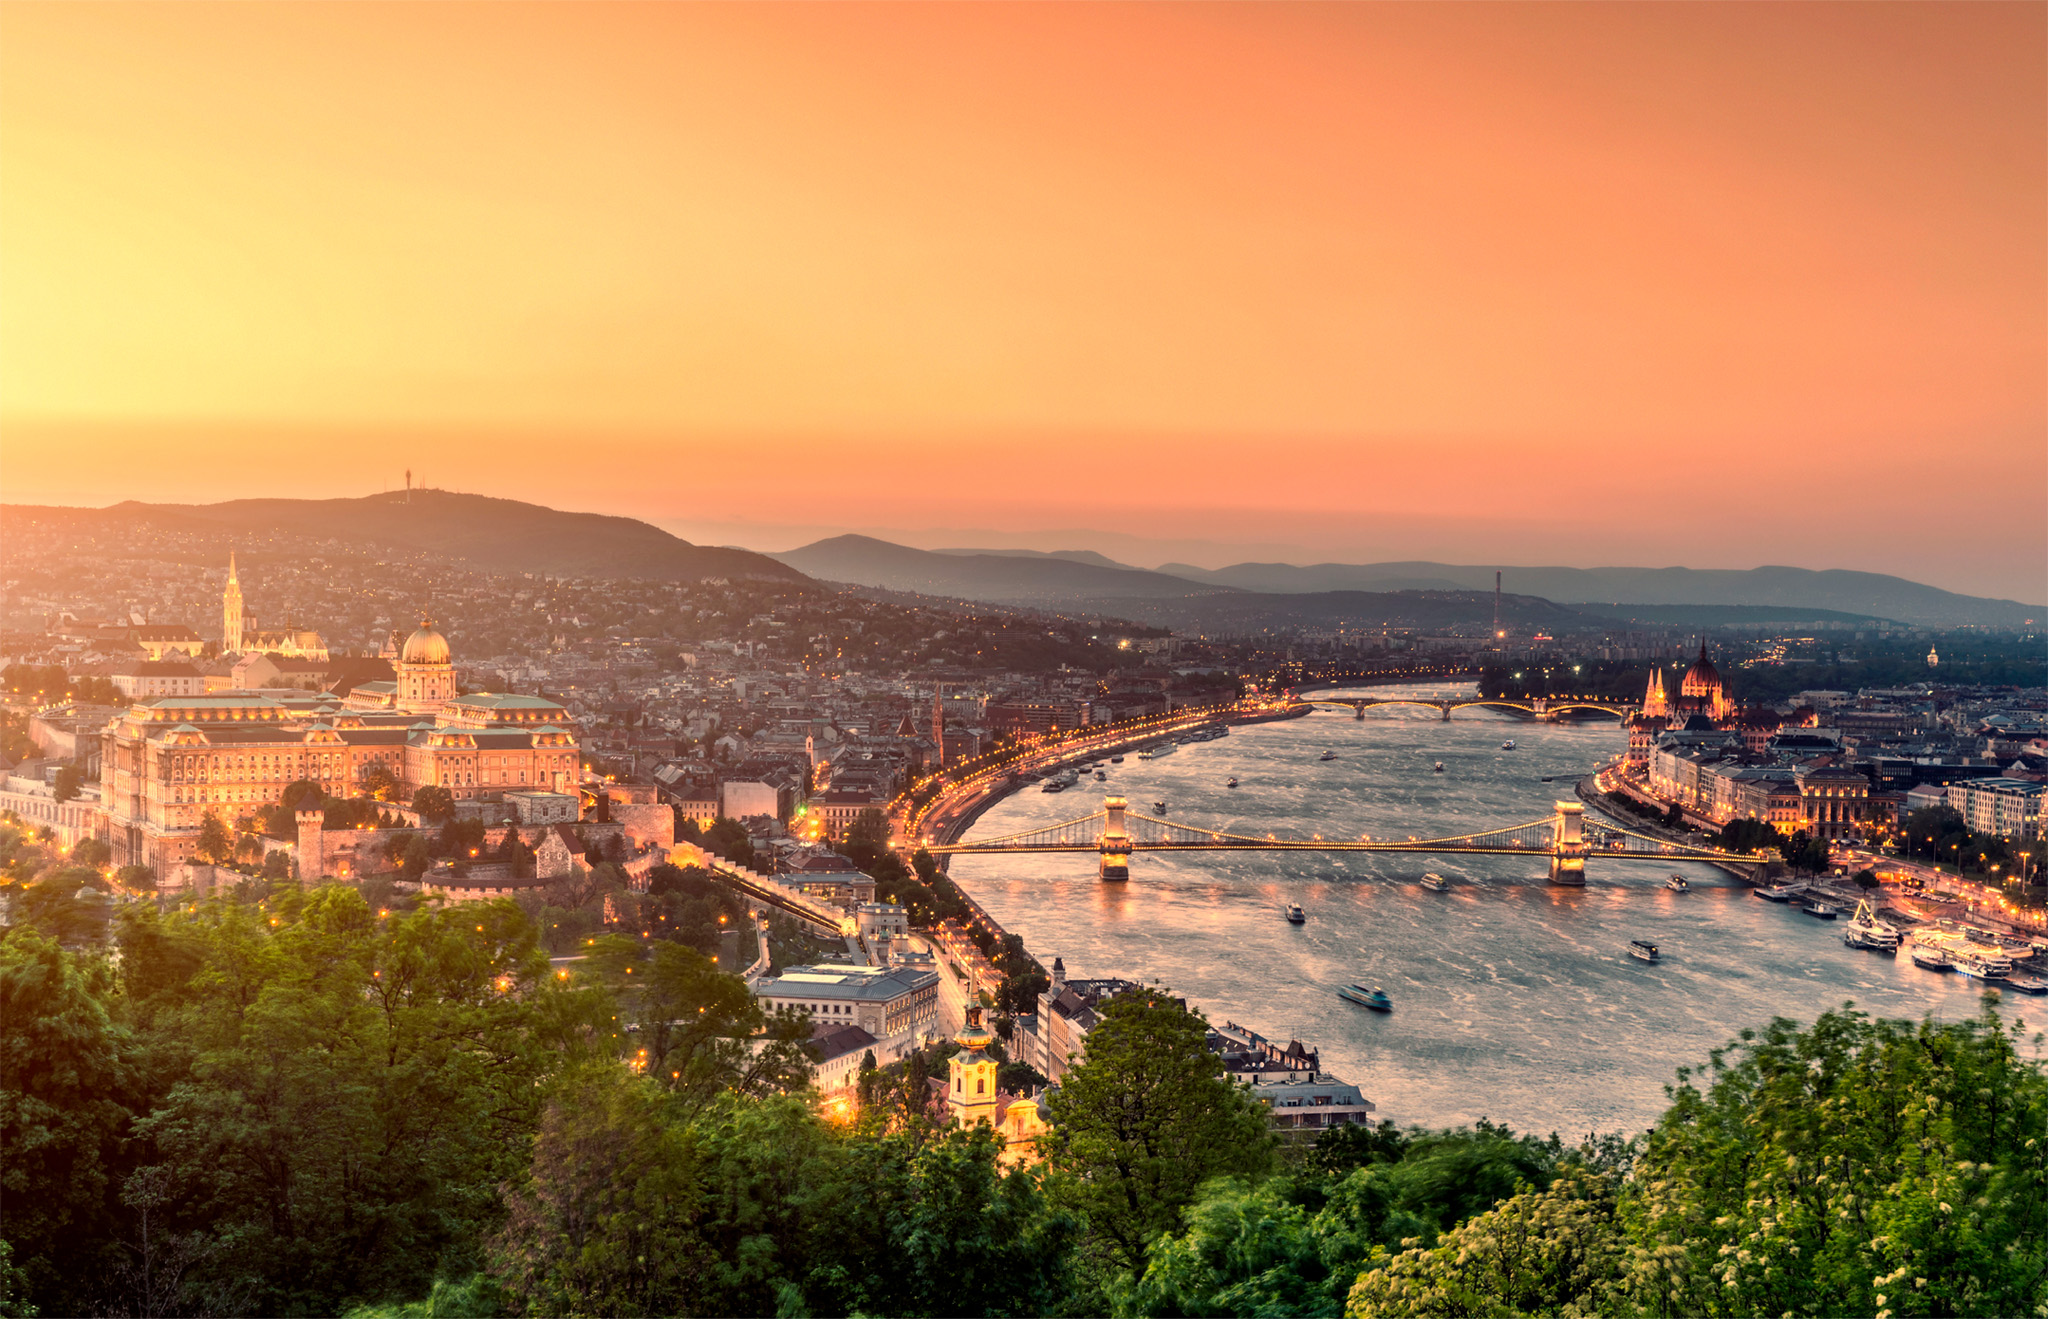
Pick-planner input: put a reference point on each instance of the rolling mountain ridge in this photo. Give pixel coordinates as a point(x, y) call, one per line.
point(496, 535)
point(1081, 578)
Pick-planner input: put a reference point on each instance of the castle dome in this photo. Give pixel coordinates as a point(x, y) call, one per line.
point(425, 646)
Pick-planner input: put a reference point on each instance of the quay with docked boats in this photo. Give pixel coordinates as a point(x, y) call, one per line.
point(1939, 945)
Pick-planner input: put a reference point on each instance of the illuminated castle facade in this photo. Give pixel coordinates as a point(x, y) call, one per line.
point(173, 760)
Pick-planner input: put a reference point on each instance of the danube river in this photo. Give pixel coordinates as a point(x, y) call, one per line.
point(1513, 999)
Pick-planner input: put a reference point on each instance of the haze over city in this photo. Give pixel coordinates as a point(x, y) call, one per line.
point(1326, 282)
point(1343, 660)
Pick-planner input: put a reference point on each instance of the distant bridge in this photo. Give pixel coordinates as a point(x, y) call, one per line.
point(1564, 838)
point(1542, 707)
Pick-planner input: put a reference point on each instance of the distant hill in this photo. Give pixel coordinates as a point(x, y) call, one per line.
point(496, 535)
point(1076, 556)
point(1860, 593)
point(997, 576)
point(1236, 613)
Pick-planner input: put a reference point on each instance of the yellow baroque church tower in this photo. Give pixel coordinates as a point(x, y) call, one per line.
point(971, 1074)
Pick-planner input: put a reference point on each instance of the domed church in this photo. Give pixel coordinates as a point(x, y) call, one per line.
point(426, 670)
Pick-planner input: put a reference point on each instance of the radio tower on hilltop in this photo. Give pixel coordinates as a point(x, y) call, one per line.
point(1497, 633)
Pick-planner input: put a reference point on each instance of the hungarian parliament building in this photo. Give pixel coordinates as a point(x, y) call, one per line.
point(171, 760)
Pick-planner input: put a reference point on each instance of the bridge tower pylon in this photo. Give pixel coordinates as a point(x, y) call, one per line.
point(1115, 843)
point(1568, 845)
point(1445, 706)
point(1358, 711)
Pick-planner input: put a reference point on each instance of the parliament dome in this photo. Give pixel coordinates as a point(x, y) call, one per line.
point(425, 646)
point(1702, 674)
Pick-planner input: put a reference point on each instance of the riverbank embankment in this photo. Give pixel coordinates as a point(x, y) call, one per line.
point(945, 823)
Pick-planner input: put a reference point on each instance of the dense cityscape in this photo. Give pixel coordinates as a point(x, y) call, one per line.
point(758, 782)
point(1355, 661)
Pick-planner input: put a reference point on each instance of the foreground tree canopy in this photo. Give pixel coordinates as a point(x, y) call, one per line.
point(296, 1103)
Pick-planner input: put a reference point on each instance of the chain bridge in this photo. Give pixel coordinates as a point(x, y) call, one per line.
point(1545, 708)
point(1565, 839)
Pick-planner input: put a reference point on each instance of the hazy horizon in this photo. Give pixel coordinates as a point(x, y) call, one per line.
point(1573, 284)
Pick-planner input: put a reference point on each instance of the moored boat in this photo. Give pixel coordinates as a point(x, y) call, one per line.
point(1980, 968)
point(1643, 950)
point(1376, 999)
point(1815, 907)
point(1865, 930)
point(2027, 984)
point(1436, 883)
point(1930, 959)
point(1327, 755)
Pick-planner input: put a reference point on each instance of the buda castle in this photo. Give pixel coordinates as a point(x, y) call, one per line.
point(172, 760)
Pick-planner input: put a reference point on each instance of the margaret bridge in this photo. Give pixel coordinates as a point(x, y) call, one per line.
point(1566, 839)
point(1542, 707)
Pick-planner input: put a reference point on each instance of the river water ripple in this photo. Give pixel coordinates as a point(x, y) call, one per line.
point(1513, 999)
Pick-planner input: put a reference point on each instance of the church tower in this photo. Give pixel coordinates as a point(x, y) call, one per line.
point(231, 628)
point(971, 1074)
point(1656, 701)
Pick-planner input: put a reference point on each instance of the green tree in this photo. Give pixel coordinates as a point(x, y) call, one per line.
point(66, 786)
point(1855, 1167)
point(379, 783)
point(434, 803)
point(66, 1072)
point(1559, 1250)
point(214, 842)
point(1143, 1121)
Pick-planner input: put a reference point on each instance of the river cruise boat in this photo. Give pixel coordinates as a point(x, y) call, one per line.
point(1376, 999)
point(1508, 745)
point(1230, 782)
point(1295, 915)
point(1930, 959)
point(2027, 984)
point(1439, 767)
point(1159, 806)
point(1980, 968)
point(1436, 883)
point(1327, 755)
point(1816, 908)
point(1053, 785)
point(1677, 883)
point(1643, 950)
point(1962, 948)
point(1865, 930)
point(1782, 893)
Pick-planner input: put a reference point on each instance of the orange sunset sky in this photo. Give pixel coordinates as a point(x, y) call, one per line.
point(1599, 284)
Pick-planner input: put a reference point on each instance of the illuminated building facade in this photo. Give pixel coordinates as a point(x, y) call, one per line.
point(239, 634)
point(171, 760)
